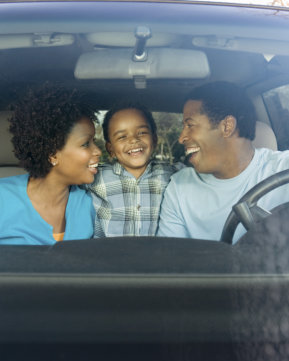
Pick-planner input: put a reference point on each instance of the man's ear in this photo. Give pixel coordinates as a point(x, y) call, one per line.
point(109, 149)
point(229, 126)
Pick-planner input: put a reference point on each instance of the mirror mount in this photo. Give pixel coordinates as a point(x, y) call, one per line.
point(142, 34)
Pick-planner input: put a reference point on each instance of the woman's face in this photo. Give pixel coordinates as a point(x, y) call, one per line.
point(77, 161)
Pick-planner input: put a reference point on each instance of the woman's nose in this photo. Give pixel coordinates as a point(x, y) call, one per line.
point(97, 151)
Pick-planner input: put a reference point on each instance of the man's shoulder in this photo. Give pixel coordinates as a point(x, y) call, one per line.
point(183, 175)
point(279, 160)
point(165, 167)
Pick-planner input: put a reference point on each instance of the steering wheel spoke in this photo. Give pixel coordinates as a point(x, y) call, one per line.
point(244, 214)
point(259, 213)
point(248, 216)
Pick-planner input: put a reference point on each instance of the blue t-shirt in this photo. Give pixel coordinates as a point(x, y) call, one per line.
point(20, 223)
point(197, 205)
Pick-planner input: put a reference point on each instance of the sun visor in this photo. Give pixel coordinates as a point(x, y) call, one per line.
point(18, 41)
point(159, 63)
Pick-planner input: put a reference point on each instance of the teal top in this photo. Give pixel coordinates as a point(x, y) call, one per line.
point(21, 224)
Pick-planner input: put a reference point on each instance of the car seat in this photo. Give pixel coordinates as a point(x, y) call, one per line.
point(265, 137)
point(9, 164)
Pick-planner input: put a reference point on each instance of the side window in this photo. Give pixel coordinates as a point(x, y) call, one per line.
point(169, 127)
point(277, 103)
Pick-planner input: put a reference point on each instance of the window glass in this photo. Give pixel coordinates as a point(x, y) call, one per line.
point(277, 102)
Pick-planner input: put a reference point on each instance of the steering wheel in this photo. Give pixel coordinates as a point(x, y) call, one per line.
point(246, 210)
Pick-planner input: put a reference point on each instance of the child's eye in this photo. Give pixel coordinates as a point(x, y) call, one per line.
point(86, 144)
point(143, 132)
point(121, 137)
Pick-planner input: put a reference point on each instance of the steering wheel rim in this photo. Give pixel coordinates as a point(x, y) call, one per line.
point(246, 210)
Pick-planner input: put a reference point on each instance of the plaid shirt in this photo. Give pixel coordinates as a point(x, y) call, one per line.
point(126, 206)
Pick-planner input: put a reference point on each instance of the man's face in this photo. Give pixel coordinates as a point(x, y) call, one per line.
point(204, 143)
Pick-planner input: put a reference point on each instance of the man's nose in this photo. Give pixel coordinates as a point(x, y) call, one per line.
point(182, 137)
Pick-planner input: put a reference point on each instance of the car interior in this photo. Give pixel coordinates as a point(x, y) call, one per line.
point(146, 298)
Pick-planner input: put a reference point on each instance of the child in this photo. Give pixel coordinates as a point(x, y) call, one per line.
point(128, 192)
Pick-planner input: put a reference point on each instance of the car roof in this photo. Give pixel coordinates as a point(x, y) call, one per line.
point(213, 29)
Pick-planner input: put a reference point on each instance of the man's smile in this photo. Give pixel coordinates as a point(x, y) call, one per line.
point(191, 149)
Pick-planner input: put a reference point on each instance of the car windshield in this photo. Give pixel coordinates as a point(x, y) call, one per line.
point(234, 275)
point(255, 2)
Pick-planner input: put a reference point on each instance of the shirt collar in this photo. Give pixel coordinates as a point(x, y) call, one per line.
point(118, 169)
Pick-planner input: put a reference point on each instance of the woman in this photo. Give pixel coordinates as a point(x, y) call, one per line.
point(53, 138)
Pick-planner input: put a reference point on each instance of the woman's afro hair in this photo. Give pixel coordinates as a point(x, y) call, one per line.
point(41, 123)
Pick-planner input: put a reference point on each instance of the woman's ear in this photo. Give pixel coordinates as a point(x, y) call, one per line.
point(229, 125)
point(53, 160)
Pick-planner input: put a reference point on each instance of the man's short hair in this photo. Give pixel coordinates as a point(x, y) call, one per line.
point(221, 99)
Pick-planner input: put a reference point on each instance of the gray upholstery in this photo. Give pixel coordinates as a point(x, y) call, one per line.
point(265, 137)
point(8, 162)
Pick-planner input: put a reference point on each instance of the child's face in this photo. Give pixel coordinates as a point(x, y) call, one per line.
point(130, 140)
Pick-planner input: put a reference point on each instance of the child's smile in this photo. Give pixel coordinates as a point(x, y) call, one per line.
point(135, 152)
point(130, 140)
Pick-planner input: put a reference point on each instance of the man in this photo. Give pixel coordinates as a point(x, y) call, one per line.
point(218, 129)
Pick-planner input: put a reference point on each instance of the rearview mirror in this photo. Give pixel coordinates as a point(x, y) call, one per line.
point(160, 63)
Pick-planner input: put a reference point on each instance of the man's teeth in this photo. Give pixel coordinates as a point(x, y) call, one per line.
point(95, 165)
point(192, 150)
point(135, 150)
